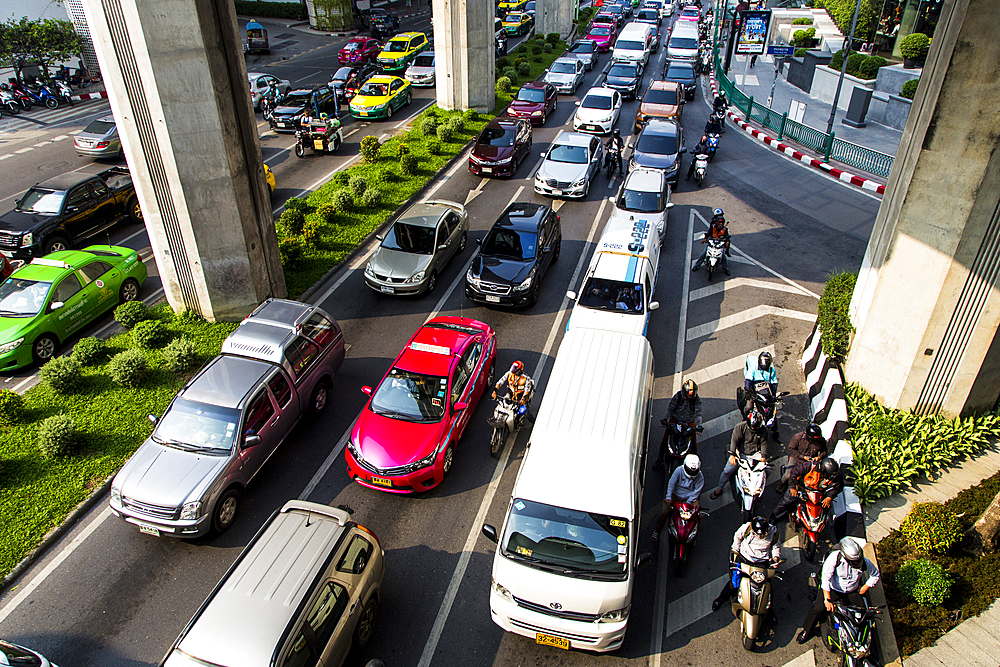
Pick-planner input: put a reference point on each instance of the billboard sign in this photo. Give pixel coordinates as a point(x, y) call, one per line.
point(754, 27)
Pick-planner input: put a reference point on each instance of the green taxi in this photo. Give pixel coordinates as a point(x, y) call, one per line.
point(380, 96)
point(401, 50)
point(513, 5)
point(45, 302)
point(517, 23)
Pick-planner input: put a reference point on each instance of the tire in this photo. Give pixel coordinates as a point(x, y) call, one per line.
point(44, 348)
point(748, 643)
point(225, 511)
point(365, 628)
point(711, 270)
point(699, 179)
point(499, 438)
point(25, 104)
point(320, 398)
point(299, 150)
point(431, 283)
point(449, 460)
point(586, 190)
point(810, 550)
point(55, 244)
point(462, 242)
point(69, 100)
point(409, 97)
point(388, 111)
point(13, 108)
point(52, 102)
point(129, 291)
point(535, 293)
point(134, 210)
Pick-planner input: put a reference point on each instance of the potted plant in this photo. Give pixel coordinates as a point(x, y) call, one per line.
point(913, 48)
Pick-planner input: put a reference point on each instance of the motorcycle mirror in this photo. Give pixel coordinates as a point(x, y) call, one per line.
point(643, 559)
point(571, 295)
point(491, 533)
point(366, 390)
point(653, 305)
point(784, 393)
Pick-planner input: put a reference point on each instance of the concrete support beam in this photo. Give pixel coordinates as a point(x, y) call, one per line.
point(554, 16)
point(177, 85)
point(465, 50)
point(927, 305)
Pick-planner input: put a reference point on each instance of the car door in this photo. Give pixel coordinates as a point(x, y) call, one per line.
point(552, 235)
point(395, 98)
point(261, 419)
point(102, 281)
point(445, 246)
point(595, 156)
point(579, 73)
point(79, 213)
point(465, 381)
point(76, 309)
point(616, 104)
point(322, 633)
point(523, 139)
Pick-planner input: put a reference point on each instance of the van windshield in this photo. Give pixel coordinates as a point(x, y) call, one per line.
point(570, 542)
point(612, 295)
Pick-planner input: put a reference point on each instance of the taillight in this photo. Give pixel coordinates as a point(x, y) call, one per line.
point(103, 144)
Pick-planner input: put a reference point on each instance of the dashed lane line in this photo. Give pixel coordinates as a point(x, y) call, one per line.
point(745, 316)
point(734, 283)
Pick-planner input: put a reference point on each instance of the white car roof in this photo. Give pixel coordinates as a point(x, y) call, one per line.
point(600, 92)
point(645, 180)
point(573, 139)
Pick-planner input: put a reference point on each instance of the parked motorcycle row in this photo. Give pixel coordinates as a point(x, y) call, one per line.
point(17, 97)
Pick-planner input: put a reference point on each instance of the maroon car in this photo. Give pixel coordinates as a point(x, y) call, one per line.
point(359, 50)
point(502, 145)
point(535, 101)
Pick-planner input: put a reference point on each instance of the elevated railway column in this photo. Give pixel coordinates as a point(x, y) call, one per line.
point(464, 48)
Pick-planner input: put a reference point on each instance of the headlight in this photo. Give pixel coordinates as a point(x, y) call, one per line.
point(11, 346)
point(416, 277)
point(536, 113)
point(757, 577)
point(369, 271)
point(379, 107)
point(353, 449)
point(503, 161)
point(616, 616)
point(116, 495)
point(672, 168)
point(854, 650)
point(471, 278)
point(191, 510)
point(425, 462)
point(632, 164)
point(525, 285)
point(606, 120)
point(502, 592)
point(27, 239)
point(579, 183)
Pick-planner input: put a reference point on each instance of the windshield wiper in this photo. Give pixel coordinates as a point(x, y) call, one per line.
point(393, 413)
point(571, 569)
point(176, 444)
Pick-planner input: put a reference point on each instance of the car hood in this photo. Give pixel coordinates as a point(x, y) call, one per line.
point(655, 160)
point(547, 588)
point(664, 110)
point(526, 107)
point(18, 221)
point(558, 77)
point(623, 81)
point(395, 55)
point(592, 115)
point(562, 171)
point(387, 443)
point(160, 475)
point(368, 100)
point(398, 264)
point(420, 71)
point(289, 111)
point(12, 328)
point(501, 270)
point(600, 38)
point(492, 152)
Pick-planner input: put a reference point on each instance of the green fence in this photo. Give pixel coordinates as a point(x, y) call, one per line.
point(828, 145)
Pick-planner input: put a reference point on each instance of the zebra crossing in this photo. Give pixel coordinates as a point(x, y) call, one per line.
point(39, 118)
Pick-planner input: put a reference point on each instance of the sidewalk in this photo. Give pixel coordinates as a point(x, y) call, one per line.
point(973, 643)
point(759, 79)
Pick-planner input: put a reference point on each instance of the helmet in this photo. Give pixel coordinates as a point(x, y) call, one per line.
point(760, 526)
point(764, 361)
point(517, 368)
point(755, 419)
point(690, 389)
point(717, 213)
point(829, 467)
point(814, 432)
point(851, 550)
point(618, 133)
point(692, 464)
point(704, 138)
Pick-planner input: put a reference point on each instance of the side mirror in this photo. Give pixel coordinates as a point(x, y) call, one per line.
point(152, 418)
point(479, 242)
point(72, 209)
point(366, 390)
point(611, 199)
point(379, 238)
point(684, 150)
point(491, 533)
point(443, 246)
point(653, 305)
point(643, 559)
point(683, 100)
point(546, 71)
point(571, 295)
point(670, 205)
point(546, 250)
point(251, 441)
point(460, 405)
point(577, 103)
point(56, 305)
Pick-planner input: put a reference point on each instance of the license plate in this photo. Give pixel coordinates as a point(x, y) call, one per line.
point(284, 125)
point(493, 299)
point(388, 290)
point(381, 481)
point(85, 144)
point(557, 193)
point(550, 640)
point(487, 170)
point(318, 144)
point(362, 113)
point(149, 530)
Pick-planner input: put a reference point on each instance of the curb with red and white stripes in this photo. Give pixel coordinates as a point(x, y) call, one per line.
point(781, 147)
point(90, 96)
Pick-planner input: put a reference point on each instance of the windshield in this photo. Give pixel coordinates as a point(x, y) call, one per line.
point(649, 15)
point(296, 100)
point(582, 47)
point(563, 68)
point(640, 201)
point(612, 295)
point(410, 238)
point(628, 45)
point(572, 154)
point(660, 96)
point(351, 46)
point(197, 425)
point(531, 95)
point(424, 61)
point(496, 136)
point(600, 31)
point(99, 127)
point(661, 144)
point(22, 298)
point(17, 656)
point(343, 74)
point(374, 89)
point(42, 201)
point(680, 72)
point(510, 243)
point(410, 396)
point(397, 46)
point(596, 102)
point(625, 71)
point(683, 43)
point(513, 18)
point(568, 541)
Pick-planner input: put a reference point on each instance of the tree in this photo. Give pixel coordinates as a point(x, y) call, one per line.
point(842, 13)
point(44, 42)
point(984, 531)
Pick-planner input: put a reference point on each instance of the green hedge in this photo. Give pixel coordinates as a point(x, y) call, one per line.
point(274, 10)
point(834, 322)
point(842, 13)
point(909, 89)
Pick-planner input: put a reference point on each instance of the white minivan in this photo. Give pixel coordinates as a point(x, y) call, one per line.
point(634, 43)
point(683, 43)
point(566, 557)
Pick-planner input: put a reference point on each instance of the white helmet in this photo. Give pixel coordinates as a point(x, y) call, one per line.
point(692, 464)
point(851, 550)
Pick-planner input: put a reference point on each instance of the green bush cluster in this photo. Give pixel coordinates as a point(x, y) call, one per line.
point(325, 212)
point(372, 198)
point(915, 45)
point(11, 407)
point(503, 84)
point(312, 232)
point(930, 527)
point(869, 67)
point(536, 49)
point(129, 368)
point(343, 201)
point(803, 38)
point(887, 459)
point(509, 73)
point(358, 185)
point(444, 133)
point(854, 63)
point(909, 89)
point(291, 250)
point(188, 316)
point(429, 126)
point(89, 350)
point(924, 581)
point(131, 313)
point(858, 64)
point(803, 21)
point(517, 62)
point(470, 116)
point(799, 53)
point(842, 13)
point(832, 314)
point(180, 354)
point(57, 435)
point(524, 69)
point(502, 62)
point(553, 38)
point(292, 219)
point(63, 374)
point(402, 149)
point(408, 164)
point(297, 204)
point(369, 149)
point(150, 334)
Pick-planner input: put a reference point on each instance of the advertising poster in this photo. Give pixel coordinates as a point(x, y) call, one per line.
point(752, 38)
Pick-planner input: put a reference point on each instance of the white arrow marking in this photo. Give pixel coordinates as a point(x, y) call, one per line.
point(475, 193)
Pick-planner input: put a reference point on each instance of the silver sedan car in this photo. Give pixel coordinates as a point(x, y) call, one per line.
point(570, 165)
point(99, 140)
point(421, 71)
point(566, 74)
point(259, 83)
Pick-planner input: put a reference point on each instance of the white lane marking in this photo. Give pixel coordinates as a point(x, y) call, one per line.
point(44, 143)
point(694, 606)
point(538, 165)
point(351, 132)
point(558, 205)
point(331, 457)
point(24, 150)
point(54, 563)
point(60, 137)
point(747, 315)
point(461, 162)
point(4, 157)
point(734, 283)
point(463, 562)
point(726, 367)
point(685, 291)
point(131, 236)
point(320, 182)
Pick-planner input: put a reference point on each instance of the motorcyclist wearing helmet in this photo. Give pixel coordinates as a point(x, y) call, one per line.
point(717, 229)
point(719, 106)
point(615, 147)
point(824, 476)
point(760, 369)
point(749, 437)
point(685, 486)
point(713, 126)
point(754, 542)
point(519, 385)
point(270, 99)
point(809, 445)
point(700, 148)
point(684, 408)
point(847, 576)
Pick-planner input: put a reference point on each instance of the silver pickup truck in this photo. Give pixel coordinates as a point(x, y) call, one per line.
point(187, 478)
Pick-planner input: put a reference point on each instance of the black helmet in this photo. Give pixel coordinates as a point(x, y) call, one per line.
point(690, 389)
point(755, 419)
point(851, 550)
point(760, 526)
point(764, 361)
point(829, 467)
point(618, 133)
point(814, 432)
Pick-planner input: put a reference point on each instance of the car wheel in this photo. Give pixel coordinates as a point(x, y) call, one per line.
point(388, 111)
point(225, 511)
point(129, 290)
point(409, 97)
point(586, 190)
point(462, 241)
point(491, 378)
point(320, 398)
point(366, 623)
point(134, 211)
point(55, 244)
point(432, 283)
point(535, 292)
point(44, 348)
point(449, 459)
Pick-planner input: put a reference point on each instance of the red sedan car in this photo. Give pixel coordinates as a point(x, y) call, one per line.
point(404, 440)
point(502, 145)
point(359, 49)
point(535, 101)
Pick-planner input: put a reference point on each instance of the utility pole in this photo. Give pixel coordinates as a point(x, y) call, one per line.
point(843, 67)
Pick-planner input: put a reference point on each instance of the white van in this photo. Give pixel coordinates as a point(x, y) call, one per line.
point(617, 292)
point(683, 43)
point(566, 553)
point(634, 43)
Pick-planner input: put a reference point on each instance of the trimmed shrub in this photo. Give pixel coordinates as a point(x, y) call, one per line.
point(369, 149)
point(510, 73)
point(358, 185)
point(869, 66)
point(150, 334)
point(180, 354)
point(292, 220)
point(536, 49)
point(552, 38)
point(931, 527)
point(291, 250)
point(408, 164)
point(915, 45)
point(924, 581)
point(89, 350)
point(854, 63)
point(517, 63)
point(470, 115)
point(456, 123)
point(343, 201)
point(131, 313)
point(311, 233)
point(503, 83)
point(833, 318)
point(537, 59)
point(297, 204)
point(909, 89)
point(433, 146)
point(128, 368)
point(63, 373)
point(429, 126)
point(802, 21)
point(444, 134)
point(520, 50)
point(11, 407)
point(800, 52)
point(402, 149)
point(524, 69)
point(57, 435)
point(326, 212)
point(549, 48)
point(188, 316)
point(502, 62)
point(803, 37)
point(838, 59)
point(341, 178)
point(372, 198)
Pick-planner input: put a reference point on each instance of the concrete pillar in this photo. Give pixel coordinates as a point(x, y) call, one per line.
point(464, 46)
point(926, 306)
point(554, 16)
point(177, 85)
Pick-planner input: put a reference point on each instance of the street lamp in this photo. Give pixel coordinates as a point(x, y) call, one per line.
point(843, 67)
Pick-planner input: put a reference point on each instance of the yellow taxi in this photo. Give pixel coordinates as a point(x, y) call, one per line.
point(269, 175)
point(517, 23)
point(401, 50)
point(380, 96)
point(513, 5)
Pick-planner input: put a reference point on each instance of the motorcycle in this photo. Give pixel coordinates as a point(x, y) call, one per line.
point(322, 136)
point(719, 114)
point(714, 255)
point(678, 443)
point(706, 61)
point(700, 166)
point(810, 518)
point(506, 418)
point(9, 103)
point(851, 630)
point(766, 403)
point(49, 99)
point(64, 92)
point(713, 145)
point(611, 163)
point(684, 522)
point(753, 598)
point(20, 95)
point(749, 482)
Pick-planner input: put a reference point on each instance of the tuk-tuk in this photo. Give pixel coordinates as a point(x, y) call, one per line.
point(256, 38)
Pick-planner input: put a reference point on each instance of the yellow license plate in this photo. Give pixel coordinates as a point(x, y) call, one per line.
point(362, 113)
point(550, 640)
point(318, 144)
point(381, 481)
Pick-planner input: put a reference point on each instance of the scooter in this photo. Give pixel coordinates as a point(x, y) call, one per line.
point(8, 102)
point(507, 417)
point(713, 257)
point(64, 92)
point(720, 115)
point(753, 598)
point(810, 518)
point(851, 630)
point(713, 145)
point(763, 401)
point(749, 482)
point(706, 61)
point(49, 99)
point(684, 522)
point(700, 166)
point(678, 443)
point(20, 96)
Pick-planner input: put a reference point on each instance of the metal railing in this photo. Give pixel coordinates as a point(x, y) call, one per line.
point(828, 145)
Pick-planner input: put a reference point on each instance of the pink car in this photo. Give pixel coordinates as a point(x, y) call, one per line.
point(604, 35)
point(405, 438)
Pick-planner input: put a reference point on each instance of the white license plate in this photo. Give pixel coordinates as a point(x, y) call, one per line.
point(149, 530)
point(388, 290)
point(493, 299)
point(557, 193)
point(487, 170)
point(84, 143)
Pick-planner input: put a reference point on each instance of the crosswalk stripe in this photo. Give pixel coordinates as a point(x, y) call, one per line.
point(747, 315)
point(734, 283)
point(726, 367)
point(807, 659)
point(694, 606)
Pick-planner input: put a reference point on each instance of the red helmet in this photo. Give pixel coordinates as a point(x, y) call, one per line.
point(517, 368)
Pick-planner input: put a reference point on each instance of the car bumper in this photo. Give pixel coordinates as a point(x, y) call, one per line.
point(422, 81)
point(415, 482)
point(589, 636)
point(106, 152)
point(628, 93)
point(511, 299)
point(370, 113)
point(282, 125)
point(186, 529)
point(534, 120)
point(19, 357)
point(564, 88)
point(395, 66)
point(386, 287)
point(593, 128)
point(491, 169)
point(543, 188)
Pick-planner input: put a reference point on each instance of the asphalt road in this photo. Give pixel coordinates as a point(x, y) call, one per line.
point(107, 596)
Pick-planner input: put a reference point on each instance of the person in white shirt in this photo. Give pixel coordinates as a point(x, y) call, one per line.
point(847, 576)
point(755, 542)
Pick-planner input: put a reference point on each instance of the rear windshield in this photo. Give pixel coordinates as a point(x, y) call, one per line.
point(649, 14)
point(659, 96)
point(596, 102)
point(99, 127)
point(682, 43)
point(612, 295)
point(628, 45)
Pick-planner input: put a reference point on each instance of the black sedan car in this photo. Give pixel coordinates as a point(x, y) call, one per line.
point(315, 101)
point(508, 268)
point(659, 146)
point(683, 73)
point(348, 79)
point(626, 78)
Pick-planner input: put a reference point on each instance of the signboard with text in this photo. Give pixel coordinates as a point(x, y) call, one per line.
point(754, 27)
